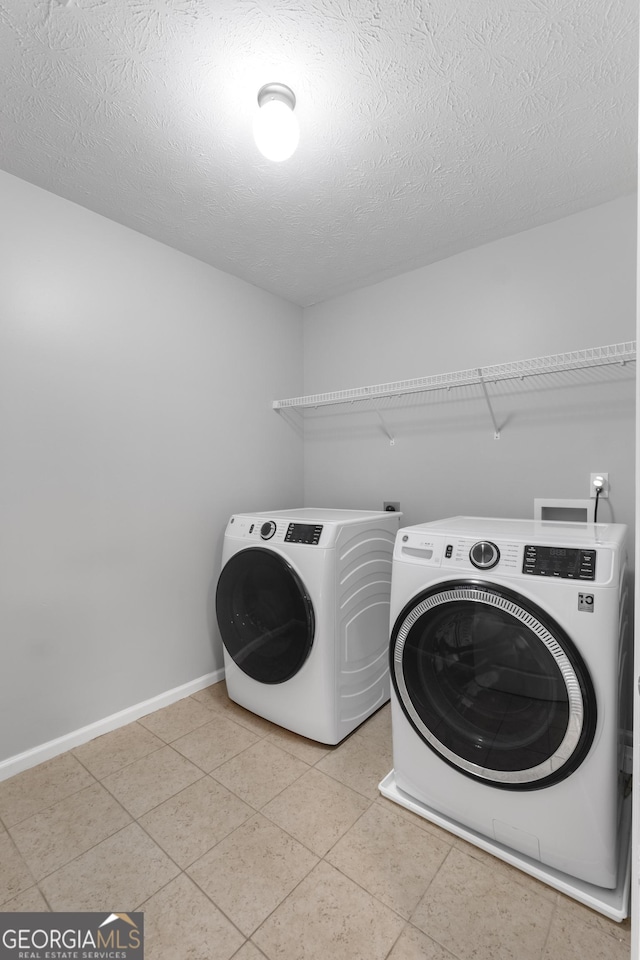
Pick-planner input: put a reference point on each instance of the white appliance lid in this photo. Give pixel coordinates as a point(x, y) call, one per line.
point(324, 515)
point(549, 531)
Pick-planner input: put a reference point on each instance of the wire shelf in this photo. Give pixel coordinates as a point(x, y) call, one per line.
point(519, 369)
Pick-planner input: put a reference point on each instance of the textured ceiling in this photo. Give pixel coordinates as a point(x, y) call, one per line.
point(427, 126)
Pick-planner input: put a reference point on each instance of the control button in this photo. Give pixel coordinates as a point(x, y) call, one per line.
point(484, 555)
point(449, 551)
point(267, 530)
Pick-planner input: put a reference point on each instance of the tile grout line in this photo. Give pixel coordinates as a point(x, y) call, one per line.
point(543, 952)
point(124, 765)
point(54, 803)
point(183, 873)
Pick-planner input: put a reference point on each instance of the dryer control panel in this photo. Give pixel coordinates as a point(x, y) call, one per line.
point(270, 532)
point(568, 563)
point(303, 533)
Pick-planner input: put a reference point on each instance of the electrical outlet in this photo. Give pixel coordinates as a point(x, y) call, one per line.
point(605, 485)
point(391, 506)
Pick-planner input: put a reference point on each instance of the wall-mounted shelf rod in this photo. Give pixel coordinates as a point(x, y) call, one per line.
point(574, 360)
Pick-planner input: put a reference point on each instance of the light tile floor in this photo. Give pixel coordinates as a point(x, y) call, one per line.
point(239, 839)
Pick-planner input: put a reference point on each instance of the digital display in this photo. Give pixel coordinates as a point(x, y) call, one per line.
point(303, 533)
point(565, 562)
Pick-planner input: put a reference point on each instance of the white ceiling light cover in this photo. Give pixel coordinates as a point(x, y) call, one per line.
point(275, 127)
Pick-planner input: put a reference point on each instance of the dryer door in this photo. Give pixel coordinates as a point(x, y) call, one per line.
point(265, 615)
point(493, 685)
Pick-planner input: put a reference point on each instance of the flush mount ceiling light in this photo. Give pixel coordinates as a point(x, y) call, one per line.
point(275, 128)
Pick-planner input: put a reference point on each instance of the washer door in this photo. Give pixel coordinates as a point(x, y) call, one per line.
point(265, 615)
point(493, 685)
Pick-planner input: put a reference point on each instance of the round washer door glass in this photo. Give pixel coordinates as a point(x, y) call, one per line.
point(264, 614)
point(493, 685)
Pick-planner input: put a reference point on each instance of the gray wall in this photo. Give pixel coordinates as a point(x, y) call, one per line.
point(564, 286)
point(135, 417)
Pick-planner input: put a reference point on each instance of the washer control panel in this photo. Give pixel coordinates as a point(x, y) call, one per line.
point(582, 559)
point(568, 563)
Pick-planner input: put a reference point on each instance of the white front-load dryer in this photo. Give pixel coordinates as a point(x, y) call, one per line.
point(302, 605)
point(509, 697)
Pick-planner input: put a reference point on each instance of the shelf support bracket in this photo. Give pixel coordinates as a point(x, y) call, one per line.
point(392, 439)
point(291, 416)
point(496, 428)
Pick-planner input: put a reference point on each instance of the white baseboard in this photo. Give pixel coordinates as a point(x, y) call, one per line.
point(45, 751)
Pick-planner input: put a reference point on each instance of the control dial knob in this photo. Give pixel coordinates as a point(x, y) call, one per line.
point(267, 530)
point(484, 555)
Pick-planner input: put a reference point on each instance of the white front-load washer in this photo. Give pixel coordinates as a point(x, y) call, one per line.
point(302, 605)
point(510, 695)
